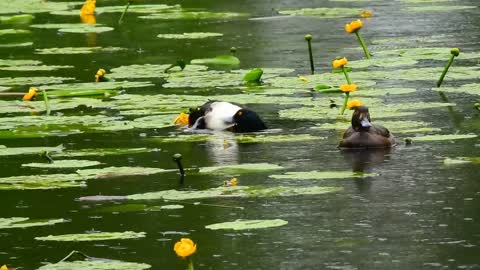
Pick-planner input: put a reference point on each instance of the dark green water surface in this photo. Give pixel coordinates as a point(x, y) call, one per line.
point(417, 214)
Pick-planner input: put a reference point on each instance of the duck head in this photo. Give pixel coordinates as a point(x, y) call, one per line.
point(195, 118)
point(246, 120)
point(361, 119)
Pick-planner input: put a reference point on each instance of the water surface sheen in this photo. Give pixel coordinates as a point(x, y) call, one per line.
point(417, 214)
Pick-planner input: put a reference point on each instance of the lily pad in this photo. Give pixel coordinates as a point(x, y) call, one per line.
point(276, 138)
point(18, 62)
point(230, 192)
point(20, 44)
point(50, 181)
point(382, 62)
point(75, 27)
point(152, 71)
point(95, 265)
point(461, 160)
point(32, 80)
point(323, 13)
point(4, 32)
point(240, 168)
point(78, 50)
point(422, 53)
point(193, 35)
point(94, 236)
point(17, 19)
point(69, 163)
point(443, 137)
point(186, 14)
point(438, 8)
point(13, 151)
point(382, 92)
point(472, 89)
point(247, 224)
point(103, 152)
point(315, 175)
point(110, 172)
point(113, 85)
point(33, 6)
point(34, 68)
point(25, 222)
point(228, 60)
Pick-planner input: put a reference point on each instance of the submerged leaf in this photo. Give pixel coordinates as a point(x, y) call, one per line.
point(247, 224)
point(94, 236)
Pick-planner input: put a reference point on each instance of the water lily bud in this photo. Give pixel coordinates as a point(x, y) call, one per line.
point(177, 156)
point(455, 51)
point(185, 247)
point(308, 37)
point(477, 106)
point(233, 50)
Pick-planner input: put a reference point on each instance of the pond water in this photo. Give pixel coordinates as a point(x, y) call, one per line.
point(411, 211)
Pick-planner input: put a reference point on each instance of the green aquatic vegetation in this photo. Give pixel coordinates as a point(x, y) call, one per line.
point(74, 27)
point(14, 151)
point(58, 121)
point(253, 76)
point(311, 81)
point(51, 181)
point(94, 236)
point(112, 85)
point(186, 14)
point(193, 35)
point(471, 89)
point(152, 71)
point(440, 53)
point(323, 13)
point(246, 224)
point(19, 44)
point(17, 19)
point(183, 138)
point(4, 32)
point(95, 265)
point(204, 80)
point(382, 92)
point(240, 168)
point(69, 163)
point(461, 160)
point(79, 93)
point(34, 68)
point(25, 222)
point(18, 62)
point(233, 192)
point(267, 138)
point(227, 60)
point(436, 8)
point(78, 50)
point(4, 88)
point(382, 62)
point(425, 1)
point(122, 208)
point(33, 80)
point(443, 137)
point(103, 152)
point(33, 6)
point(111, 172)
point(394, 126)
point(316, 175)
point(149, 9)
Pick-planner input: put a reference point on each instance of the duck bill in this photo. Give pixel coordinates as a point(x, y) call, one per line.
point(365, 123)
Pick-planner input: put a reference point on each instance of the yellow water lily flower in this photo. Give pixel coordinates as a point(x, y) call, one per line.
point(88, 19)
point(366, 14)
point(303, 79)
point(347, 88)
point(88, 8)
point(100, 75)
point(4, 267)
point(185, 247)
point(181, 120)
point(338, 63)
point(233, 182)
point(32, 92)
point(353, 26)
point(354, 103)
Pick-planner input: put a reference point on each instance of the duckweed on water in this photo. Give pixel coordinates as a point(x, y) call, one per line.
point(242, 224)
point(70, 163)
point(95, 265)
point(316, 175)
point(94, 236)
point(25, 222)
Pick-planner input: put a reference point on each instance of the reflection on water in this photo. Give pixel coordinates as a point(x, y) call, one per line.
point(363, 160)
point(222, 148)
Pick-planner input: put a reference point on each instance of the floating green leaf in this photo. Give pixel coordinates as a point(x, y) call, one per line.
point(323, 13)
point(186, 14)
point(394, 126)
point(33, 68)
point(261, 138)
point(18, 62)
point(472, 89)
point(153, 71)
point(4, 32)
point(242, 224)
point(94, 236)
point(240, 168)
point(75, 27)
point(113, 85)
point(382, 62)
point(461, 160)
point(33, 6)
point(193, 35)
point(437, 8)
point(70, 163)
point(25, 222)
point(13, 151)
point(253, 76)
point(441, 137)
point(118, 171)
point(103, 152)
point(51, 181)
point(78, 50)
point(228, 60)
point(95, 265)
point(17, 19)
point(316, 175)
point(19, 44)
point(32, 80)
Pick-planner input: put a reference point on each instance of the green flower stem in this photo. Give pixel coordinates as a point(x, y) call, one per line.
point(362, 42)
point(190, 264)
point(45, 98)
point(124, 12)
point(450, 61)
point(347, 95)
point(345, 72)
point(310, 54)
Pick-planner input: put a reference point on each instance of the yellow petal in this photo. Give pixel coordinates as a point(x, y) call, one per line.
point(354, 103)
point(32, 92)
point(88, 8)
point(4, 267)
point(347, 88)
